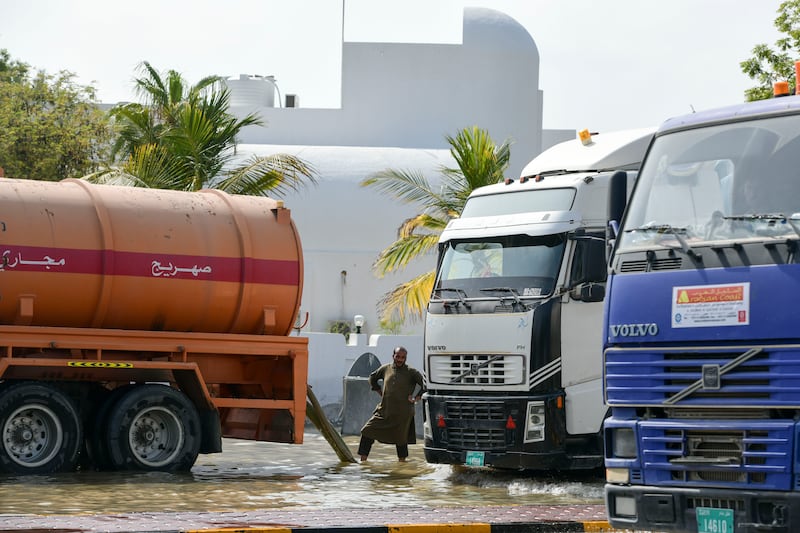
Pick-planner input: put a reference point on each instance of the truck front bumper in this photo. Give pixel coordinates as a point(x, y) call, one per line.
point(506, 460)
point(675, 509)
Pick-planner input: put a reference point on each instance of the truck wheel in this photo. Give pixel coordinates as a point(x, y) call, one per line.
point(97, 430)
point(153, 427)
point(40, 430)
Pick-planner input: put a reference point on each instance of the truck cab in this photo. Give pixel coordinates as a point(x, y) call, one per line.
point(513, 328)
point(701, 358)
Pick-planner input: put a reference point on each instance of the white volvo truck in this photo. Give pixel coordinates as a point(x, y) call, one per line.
point(513, 330)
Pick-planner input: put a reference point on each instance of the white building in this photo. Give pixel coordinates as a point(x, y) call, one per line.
point(399, 101)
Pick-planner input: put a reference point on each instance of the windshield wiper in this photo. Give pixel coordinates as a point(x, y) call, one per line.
point(778, 217)
point(678, 233)
point(514, 294)
point(461, 293)
point(473, 369)
point(770, 218)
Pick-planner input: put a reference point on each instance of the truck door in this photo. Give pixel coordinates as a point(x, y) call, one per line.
point(581, 334)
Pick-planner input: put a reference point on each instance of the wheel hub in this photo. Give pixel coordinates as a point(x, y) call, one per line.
point(32, 435)
point(156, 436)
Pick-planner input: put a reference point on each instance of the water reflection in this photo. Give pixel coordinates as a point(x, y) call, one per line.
point(257, 475)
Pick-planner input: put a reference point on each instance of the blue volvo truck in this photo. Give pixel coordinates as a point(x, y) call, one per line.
point(701, 358)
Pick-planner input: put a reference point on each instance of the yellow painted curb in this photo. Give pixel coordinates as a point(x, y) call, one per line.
point(266, 529)
point(598, 526)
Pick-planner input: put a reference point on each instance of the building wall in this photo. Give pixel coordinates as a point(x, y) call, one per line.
point(344, 226)
point(413, 95)
point(399, 102)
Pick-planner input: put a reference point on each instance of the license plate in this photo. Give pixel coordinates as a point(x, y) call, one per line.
point(474, 459)
point(710, 520)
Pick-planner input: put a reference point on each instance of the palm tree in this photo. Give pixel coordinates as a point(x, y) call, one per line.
point(480, 162)
point(184, 137)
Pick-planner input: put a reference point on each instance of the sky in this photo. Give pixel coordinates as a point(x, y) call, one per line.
point(679, 56)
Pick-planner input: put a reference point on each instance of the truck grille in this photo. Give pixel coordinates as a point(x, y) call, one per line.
point(476, 369)
point(470, 438)
point(476, 439)
point(475, 411)
point(739, 453)
point(646, 377)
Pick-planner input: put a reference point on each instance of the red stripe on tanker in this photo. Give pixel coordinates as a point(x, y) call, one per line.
point(71, 261)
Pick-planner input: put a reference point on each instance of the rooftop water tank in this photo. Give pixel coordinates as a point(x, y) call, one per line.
point(251, 91)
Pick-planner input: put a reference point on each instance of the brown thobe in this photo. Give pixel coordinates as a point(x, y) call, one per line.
point(392, 422)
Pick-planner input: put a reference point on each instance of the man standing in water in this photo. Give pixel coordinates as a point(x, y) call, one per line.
point(393, 419)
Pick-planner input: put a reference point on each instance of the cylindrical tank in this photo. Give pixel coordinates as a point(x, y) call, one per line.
point(81, 255)
point(251, 91)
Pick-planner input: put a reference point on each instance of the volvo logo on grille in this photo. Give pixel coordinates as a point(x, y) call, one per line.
point(634, 330)
point(711, 377)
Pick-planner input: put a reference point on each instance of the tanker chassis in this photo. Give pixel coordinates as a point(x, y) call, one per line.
point(512, 333)
point(138, 327)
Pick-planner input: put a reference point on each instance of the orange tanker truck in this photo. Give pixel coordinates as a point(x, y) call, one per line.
point(138, 327)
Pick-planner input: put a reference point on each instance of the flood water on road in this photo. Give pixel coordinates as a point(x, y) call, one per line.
point(252, 475)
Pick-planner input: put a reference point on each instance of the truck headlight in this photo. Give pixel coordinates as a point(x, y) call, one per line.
point(535, 422)
point(623, 443)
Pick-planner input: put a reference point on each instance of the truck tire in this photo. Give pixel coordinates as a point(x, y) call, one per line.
point(153, 427)
point(40, 430)
point(97, 430)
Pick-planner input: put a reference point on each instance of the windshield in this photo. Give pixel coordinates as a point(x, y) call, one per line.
point(728, 182)
point(514, 202)
point(527, 266)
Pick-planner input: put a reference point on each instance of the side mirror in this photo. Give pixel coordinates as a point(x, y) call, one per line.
point(592, 292)
point(592, 261)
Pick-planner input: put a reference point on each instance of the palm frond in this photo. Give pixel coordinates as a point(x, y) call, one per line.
point(135, 126)
point(402, 251)
point(207, 82)
point(176, 88)
point(183, 137)
point(480, 162)
point(151, 87)
point(407, 186)
point(423, 222)
point(275, 175)
point(157, 168)
point(204, 133)
point(408, 300)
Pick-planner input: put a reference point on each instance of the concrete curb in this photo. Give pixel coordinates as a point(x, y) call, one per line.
point(398, 519)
